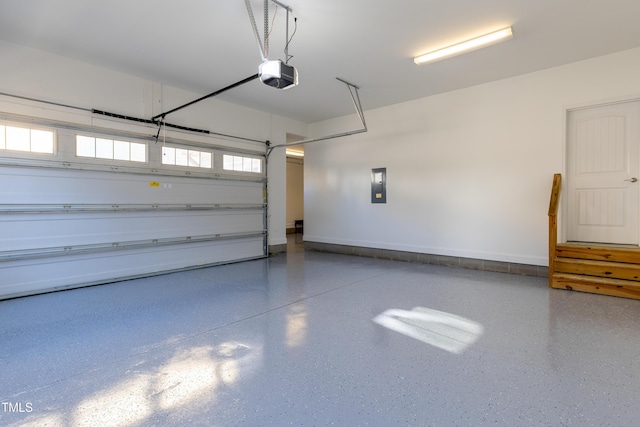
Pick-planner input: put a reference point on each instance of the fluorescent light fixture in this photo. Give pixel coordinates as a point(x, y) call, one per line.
point(294, 153)
point(466, 46)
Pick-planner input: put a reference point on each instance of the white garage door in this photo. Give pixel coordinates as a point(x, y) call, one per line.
point(88, 208)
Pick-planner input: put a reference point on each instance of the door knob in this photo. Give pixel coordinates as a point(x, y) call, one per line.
point(634, 179)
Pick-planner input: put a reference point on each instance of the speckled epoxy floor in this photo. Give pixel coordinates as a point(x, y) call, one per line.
point(290, 341)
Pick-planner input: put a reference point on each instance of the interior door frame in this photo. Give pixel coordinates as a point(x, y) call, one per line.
point(563, 220)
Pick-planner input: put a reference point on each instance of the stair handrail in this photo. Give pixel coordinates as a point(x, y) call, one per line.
point(553, 221)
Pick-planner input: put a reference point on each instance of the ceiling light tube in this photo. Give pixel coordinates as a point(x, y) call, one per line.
point(466, 46)
point(294, 153)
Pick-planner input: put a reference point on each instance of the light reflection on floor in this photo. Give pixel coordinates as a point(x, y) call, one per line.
point(296, 331)
point(190, 377)
point(443, 330)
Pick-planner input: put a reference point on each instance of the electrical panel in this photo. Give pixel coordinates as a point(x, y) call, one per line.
point(379, 185)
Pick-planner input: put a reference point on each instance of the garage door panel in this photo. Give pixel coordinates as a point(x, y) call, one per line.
point(71, 187)
point(24, 277)
point(22, 232)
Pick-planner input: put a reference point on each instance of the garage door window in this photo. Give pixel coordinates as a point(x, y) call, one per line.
point(241, 164)
point(13, 138)
point(103, 148)
point(189, 158)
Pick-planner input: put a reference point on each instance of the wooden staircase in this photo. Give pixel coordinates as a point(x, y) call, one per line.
point(600, 269)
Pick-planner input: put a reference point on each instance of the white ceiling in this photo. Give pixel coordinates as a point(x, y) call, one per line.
point(205, 45)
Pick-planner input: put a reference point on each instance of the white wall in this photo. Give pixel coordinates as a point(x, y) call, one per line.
point(468, 172)
point(35, 74)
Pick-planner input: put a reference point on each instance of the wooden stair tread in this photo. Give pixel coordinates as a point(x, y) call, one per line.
point(614, 270)
point(595, 279)
point(629, 255)
point(597, 285)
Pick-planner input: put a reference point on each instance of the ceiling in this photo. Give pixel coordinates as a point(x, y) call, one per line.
point(205, 45)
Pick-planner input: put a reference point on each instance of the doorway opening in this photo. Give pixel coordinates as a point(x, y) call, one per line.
point(295, 187)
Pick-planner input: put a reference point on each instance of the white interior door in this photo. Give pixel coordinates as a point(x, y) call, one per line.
point(602, 171)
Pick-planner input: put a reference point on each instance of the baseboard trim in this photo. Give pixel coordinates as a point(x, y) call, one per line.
point(444, 260)
point(277, 249)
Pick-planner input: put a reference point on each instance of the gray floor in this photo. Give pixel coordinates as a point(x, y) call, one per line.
point(290, 341)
